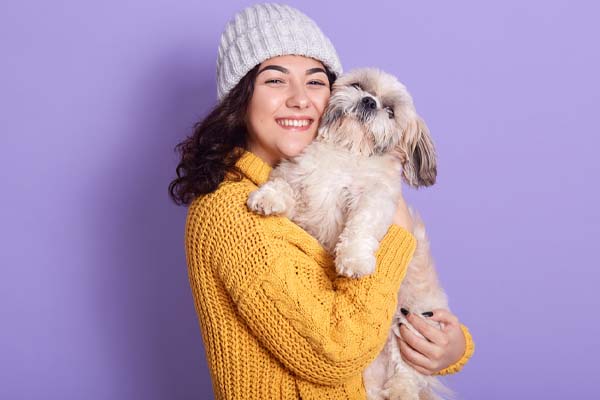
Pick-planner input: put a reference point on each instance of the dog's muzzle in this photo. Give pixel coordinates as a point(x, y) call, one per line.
point(366, 108)
point(368, 103)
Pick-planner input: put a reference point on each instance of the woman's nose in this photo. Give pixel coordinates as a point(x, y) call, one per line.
point(298, 98)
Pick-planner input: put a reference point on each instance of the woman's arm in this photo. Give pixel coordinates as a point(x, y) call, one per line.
point(322, 330)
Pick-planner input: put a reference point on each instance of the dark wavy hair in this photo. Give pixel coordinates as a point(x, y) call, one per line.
point(210, 152)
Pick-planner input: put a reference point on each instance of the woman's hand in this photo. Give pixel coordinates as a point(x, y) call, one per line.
point(439, 350)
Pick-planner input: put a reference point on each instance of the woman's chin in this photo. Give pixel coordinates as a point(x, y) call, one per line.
point(291, 148)
point(290, 151)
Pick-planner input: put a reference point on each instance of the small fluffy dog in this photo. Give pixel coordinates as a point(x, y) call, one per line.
point(343, 189)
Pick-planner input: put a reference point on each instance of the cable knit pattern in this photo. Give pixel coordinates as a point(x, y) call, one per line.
point(276, 320)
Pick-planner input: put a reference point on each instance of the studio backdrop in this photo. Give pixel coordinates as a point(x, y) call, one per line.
point(94, 95)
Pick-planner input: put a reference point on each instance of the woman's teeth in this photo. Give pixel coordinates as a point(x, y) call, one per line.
point(293, 122)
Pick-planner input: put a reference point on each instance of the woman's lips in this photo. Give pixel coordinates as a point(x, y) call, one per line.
point(294, 124)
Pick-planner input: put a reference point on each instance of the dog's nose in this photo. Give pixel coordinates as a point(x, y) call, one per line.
point(369, 102)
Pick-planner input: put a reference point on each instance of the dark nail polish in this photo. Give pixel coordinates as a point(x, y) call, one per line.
point(404, 311)
point(428, 313)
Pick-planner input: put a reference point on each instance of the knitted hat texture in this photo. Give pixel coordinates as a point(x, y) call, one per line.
point(267, 30)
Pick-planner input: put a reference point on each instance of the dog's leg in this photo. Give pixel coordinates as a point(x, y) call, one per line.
point(275, 197)
point(402, 381)
point(420, 291)
point(368, 220)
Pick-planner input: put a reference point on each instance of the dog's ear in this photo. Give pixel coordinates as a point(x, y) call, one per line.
point(331, 116)
point(329, 120)
point(420, 166)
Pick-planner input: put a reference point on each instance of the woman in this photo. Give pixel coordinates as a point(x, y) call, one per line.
point(275, 319)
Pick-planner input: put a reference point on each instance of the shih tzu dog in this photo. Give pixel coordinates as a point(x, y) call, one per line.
point(343, 189)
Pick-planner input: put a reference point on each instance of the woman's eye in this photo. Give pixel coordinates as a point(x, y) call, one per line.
point(390, 112)
point(317, 83)
point(274, 81)
point(356, 85)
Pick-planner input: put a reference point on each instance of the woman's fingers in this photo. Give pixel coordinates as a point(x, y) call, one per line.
point(420, 369)
point(444, 316)
point(440, 348)
point(415, 359)
point(432, 333)
point(427, 349)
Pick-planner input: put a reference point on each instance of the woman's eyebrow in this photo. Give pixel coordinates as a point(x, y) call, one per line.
point(287, 71)
point(315, 70)
point(276, 68)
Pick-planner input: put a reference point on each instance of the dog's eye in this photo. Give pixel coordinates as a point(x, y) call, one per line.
point(390, 111)
point(356, 85)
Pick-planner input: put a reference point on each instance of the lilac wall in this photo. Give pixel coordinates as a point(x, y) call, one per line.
point(94, 297)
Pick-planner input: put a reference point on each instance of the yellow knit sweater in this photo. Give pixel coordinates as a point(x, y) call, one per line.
point(276, 320)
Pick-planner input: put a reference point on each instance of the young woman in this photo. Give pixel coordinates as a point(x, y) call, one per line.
point(276, 321)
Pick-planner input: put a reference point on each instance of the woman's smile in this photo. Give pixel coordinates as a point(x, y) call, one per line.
point(295, 124)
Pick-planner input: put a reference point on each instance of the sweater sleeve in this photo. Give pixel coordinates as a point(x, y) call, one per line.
point(469, 350)
point(324, 329)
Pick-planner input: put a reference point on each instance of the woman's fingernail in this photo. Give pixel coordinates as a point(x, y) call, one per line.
point(428, 313)
point(404, 311)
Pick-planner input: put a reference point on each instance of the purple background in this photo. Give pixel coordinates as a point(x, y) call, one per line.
point(94, 295)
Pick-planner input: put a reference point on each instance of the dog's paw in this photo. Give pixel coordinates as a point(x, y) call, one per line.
point(266, 201)
point(353, 262)
point(401, 389)
point(355, 268)
point(377, 393)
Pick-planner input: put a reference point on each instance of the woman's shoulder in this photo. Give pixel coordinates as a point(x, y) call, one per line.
point(227, 201)
point(224, 212)
point(227, 190)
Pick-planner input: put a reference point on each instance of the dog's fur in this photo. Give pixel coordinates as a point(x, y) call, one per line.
point(343, 189)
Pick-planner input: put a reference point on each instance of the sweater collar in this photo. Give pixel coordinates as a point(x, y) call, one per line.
point(253, 167)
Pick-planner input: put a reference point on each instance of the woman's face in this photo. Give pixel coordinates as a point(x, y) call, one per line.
point(290, 95)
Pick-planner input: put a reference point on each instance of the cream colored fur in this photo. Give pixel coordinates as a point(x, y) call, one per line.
point(343, 189)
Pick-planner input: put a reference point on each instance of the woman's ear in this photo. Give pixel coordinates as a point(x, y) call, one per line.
point(420, 166)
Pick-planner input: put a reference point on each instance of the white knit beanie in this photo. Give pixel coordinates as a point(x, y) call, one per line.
point(266, 30)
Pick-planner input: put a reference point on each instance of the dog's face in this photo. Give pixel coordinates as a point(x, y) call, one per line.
point(371, 113)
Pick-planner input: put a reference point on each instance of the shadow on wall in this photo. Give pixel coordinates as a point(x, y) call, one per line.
point(143, 302)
